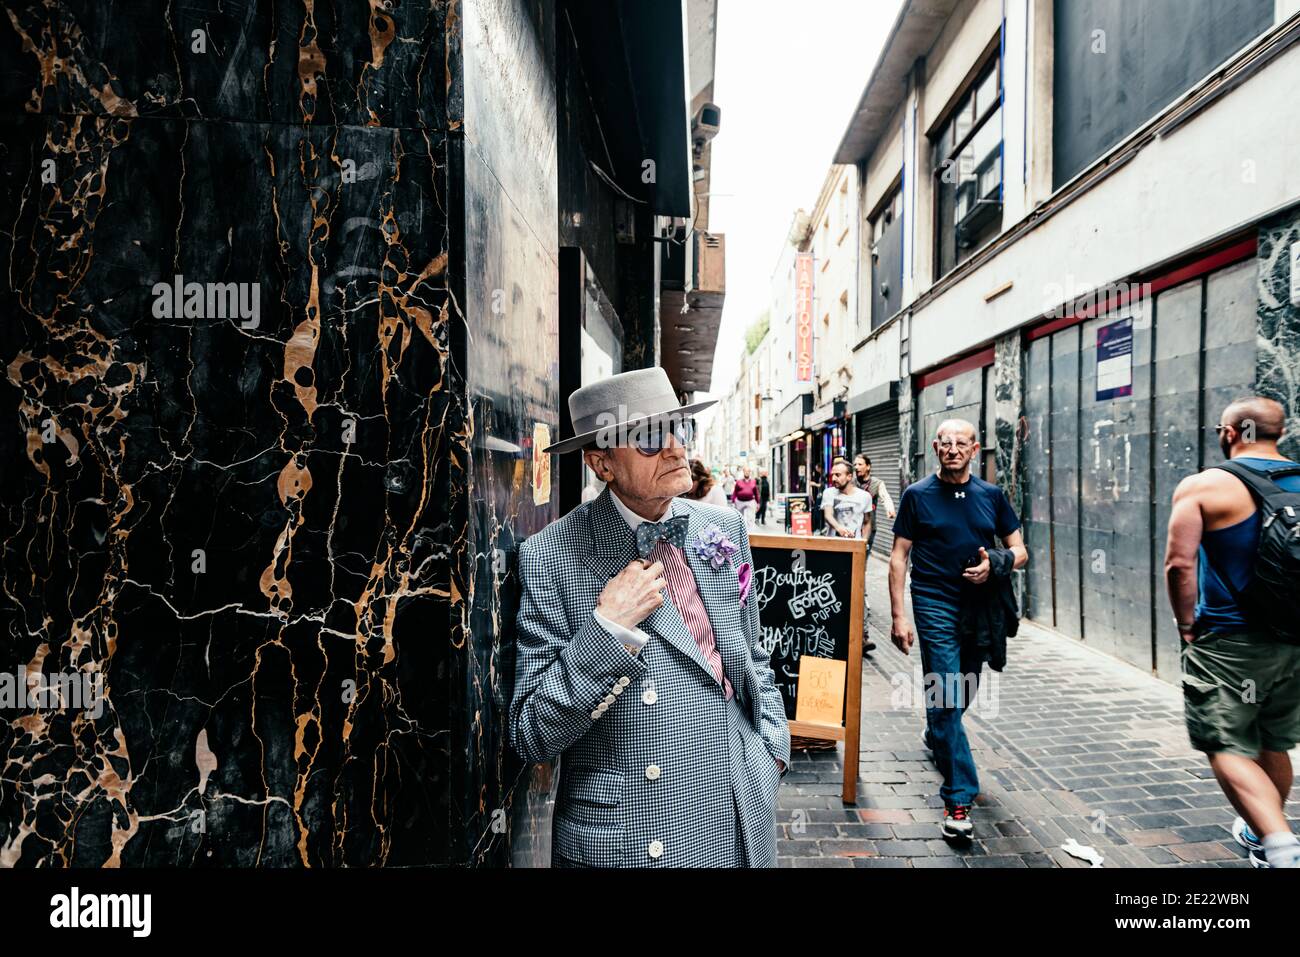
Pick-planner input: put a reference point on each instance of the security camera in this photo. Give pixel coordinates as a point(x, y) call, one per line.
point(706, 123)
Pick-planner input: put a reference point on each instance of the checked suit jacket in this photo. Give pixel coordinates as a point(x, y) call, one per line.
point(649, 780)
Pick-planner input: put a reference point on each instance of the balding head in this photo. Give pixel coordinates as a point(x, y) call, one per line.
point(955, 443)
point(957, 428)
point(1249, 422)
point(1255, 418)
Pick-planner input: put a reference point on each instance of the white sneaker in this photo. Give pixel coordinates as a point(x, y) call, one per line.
point(957, 823)
point(1244, 836)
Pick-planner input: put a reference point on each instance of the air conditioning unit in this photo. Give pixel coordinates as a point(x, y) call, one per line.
point(708, 266)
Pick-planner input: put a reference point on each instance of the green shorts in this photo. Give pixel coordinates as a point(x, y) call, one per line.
point(1241, 693)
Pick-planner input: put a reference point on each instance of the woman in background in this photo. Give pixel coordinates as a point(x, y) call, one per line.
point(703, 488)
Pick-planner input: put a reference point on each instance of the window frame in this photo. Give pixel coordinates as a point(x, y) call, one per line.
point(989, 64)
point(890, 204)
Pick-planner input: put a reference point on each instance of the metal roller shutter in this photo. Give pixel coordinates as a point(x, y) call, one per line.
point(878, 439)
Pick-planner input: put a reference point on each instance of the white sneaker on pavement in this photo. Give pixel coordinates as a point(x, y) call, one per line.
point(1244, 836)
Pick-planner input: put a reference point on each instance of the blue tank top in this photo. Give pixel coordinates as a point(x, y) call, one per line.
point(1230, 552)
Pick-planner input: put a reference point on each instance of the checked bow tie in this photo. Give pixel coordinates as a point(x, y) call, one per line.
point(672, 531)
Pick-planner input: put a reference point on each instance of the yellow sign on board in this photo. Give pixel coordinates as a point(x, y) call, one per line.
point(821, 690)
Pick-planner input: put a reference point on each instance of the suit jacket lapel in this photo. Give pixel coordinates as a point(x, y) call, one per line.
point(613, 546)
point(613, 543)
point(707, 580)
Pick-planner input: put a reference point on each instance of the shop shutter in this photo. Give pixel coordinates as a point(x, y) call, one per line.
point(878, 439)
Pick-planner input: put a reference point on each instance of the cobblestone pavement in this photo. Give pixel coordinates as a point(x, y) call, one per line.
point(1068, 741)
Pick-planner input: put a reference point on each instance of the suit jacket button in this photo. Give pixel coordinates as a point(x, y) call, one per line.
point(616, 690)
point(656, 849)
point(609, 699)
point(625, 681)
point(595, 715)
point(648, 696)
point(652, 772)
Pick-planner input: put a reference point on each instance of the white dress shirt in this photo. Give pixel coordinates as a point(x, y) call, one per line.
point(634, 639)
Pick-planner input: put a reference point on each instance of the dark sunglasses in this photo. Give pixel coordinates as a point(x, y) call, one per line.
point(653, 439)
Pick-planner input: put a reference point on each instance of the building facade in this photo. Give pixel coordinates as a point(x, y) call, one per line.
point(795, 414)
point(1079, 222)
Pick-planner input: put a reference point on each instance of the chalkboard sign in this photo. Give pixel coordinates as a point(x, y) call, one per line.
point(809, 594)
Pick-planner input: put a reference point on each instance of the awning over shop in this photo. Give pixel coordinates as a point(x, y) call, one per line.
point(634, 51)
point(827, 413)
point(885, 392)
point(790, 418)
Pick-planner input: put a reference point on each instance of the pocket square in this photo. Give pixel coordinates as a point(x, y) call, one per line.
point(745, 574)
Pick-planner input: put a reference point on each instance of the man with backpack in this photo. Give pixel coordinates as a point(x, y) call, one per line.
point(1232, 569)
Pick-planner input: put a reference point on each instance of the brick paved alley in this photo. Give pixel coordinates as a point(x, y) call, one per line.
point(1073, 744)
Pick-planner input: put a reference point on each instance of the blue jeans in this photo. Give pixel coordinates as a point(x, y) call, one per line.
point(950, 682)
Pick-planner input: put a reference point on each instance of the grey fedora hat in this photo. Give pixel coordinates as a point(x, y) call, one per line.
point(599, 410)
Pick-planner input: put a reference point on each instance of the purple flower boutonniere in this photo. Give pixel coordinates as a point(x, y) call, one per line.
point(712, 545)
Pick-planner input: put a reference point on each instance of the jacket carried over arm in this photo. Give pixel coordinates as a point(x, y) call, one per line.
point(989, 615)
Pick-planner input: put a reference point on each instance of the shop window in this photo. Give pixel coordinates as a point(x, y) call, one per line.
point(967, 163)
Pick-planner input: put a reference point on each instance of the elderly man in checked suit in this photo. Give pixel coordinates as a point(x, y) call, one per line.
point(639, 661)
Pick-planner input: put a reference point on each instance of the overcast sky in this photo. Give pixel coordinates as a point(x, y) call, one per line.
point(788, 76)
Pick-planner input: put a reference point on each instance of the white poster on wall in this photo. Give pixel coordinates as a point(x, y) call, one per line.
point(1115, 360)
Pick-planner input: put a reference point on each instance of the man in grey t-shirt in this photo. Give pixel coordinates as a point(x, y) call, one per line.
point(844, 505)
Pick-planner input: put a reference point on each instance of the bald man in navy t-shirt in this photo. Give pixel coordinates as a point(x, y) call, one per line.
point(945, 524)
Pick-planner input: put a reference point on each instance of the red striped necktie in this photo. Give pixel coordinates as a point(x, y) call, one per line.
point(685, 595)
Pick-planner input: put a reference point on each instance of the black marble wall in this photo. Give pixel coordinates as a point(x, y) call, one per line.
point(1008, 415)
point(1277, 369)
point(282, 539)
point(511, 302)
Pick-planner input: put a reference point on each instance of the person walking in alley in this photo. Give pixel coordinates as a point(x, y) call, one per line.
point(879, 493)
point(815, 490)
point(745, 496)
point(1232, 570)
point(948, 525)
point(639, 657)
point(764, 496)
point(845, 507)
point(703, 487)
point(728, 482)
point(846, 511)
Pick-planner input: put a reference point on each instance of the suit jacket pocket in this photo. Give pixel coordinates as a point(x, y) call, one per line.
point(589, 845)
point(592, 795)
point(771, 773)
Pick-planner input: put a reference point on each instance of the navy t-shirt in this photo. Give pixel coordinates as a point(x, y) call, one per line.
point(1231, 552)
point(948, 524)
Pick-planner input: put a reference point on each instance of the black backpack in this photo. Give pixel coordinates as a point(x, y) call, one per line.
point(1270, 602)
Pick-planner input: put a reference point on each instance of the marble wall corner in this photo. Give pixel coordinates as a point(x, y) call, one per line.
point(1277, 372)
point(1008, 414)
